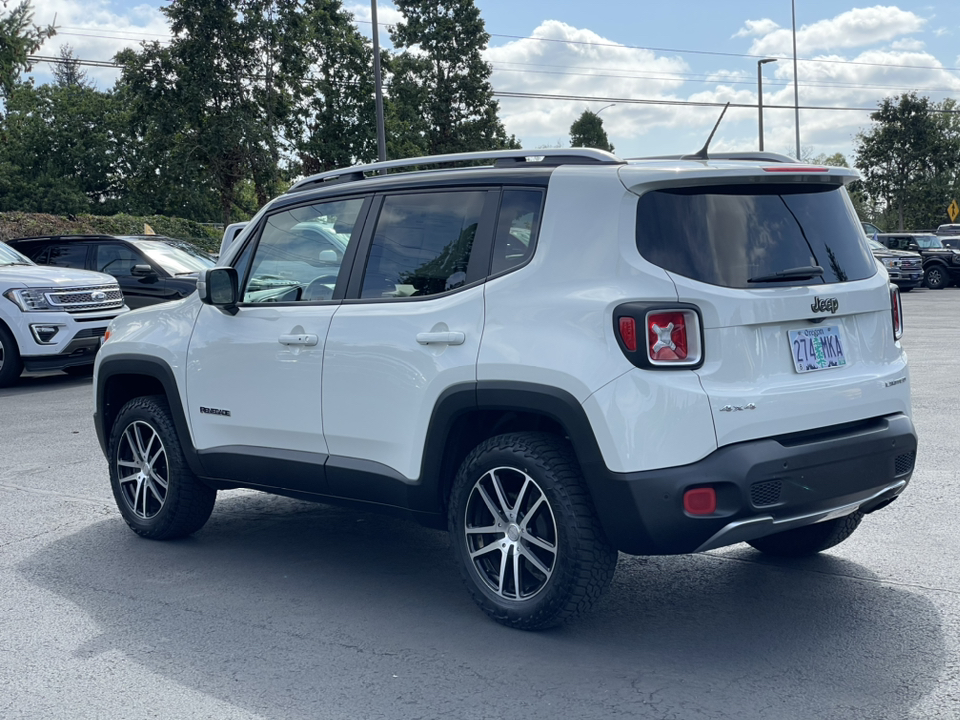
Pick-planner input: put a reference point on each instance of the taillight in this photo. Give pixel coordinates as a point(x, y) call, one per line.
point(896, 309)
point(660, 335)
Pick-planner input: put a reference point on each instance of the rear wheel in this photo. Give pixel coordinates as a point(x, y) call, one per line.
point(155, 490)
point(530, 548)
point(936, 277)
point(809, 540)
point(10, 363)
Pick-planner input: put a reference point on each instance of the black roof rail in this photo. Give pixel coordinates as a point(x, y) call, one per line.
point(743, 155)
point(548, 157)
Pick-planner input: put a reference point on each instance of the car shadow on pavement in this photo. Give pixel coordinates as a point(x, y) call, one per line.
point(290, 609)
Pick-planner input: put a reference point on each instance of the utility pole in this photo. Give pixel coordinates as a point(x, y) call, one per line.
point(381, 133)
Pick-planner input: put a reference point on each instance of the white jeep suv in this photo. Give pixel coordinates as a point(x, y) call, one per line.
point(554, 357)
point(51, 318)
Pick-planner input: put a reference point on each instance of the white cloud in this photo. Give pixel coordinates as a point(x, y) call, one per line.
point(859, 27)
point(908, 44)
point(757, 27)
point(387, 15)
point(96, 31)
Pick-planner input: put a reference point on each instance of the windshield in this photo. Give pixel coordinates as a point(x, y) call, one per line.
point(9, 256)
point(179, 259)
point(928, 241)
point(874, 245)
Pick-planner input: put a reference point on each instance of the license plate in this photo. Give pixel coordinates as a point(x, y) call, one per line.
point(817, 348)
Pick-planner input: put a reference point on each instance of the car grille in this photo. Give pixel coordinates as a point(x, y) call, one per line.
point(765, 493)
point(91, 333)
point(911, 264)
point(86, 299)
point(904, 463)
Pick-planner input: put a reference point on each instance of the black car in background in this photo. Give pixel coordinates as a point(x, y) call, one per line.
point(941, 265)
point(905, 268)
point(150, 268)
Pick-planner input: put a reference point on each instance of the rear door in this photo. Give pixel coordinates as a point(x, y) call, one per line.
point(797, 319)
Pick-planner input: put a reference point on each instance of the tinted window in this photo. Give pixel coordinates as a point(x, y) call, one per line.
point(726, 235)
point(175, 258)
point(74, 256)
point(517, 227)
point(300, 251)
point(117, 259)
point(422, 244)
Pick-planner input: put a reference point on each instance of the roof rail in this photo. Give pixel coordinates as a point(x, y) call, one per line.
point(744, 155)
point(548, 157)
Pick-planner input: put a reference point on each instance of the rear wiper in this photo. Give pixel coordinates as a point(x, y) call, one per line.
point(797, 273)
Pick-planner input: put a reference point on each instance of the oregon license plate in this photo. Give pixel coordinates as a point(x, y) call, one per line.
point(817, 348)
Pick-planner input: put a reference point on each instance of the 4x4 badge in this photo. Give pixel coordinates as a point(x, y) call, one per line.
point(830, 305)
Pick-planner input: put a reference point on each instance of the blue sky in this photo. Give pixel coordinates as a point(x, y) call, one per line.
point(852, 55)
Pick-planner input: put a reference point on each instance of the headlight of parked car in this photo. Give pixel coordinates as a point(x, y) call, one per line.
point(890, 262)
point(29, 299)
point(956, 258)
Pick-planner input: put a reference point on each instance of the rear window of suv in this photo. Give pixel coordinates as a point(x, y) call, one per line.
point(729, 235)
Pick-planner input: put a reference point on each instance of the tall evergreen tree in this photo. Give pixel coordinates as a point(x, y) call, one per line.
point(19, 38)
point(587, 131)
point(440, 91)
point(67, 72)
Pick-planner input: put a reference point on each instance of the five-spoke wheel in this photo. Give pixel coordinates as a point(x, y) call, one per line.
point(531, 550)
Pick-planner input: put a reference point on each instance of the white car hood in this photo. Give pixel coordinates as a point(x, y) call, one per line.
point(48, 276)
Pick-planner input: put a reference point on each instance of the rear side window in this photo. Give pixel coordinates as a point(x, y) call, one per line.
point(72, 256)
point(422, 244)
point(517, 226)
point(728, 235)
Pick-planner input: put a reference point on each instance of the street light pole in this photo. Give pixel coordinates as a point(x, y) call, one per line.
point(760, 94)
point(604, 108)
point(796, 86)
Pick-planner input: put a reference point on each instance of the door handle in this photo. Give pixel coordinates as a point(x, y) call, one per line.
point(441, 338)
point(309, 340)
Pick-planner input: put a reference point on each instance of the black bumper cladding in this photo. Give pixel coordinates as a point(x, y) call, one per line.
point(762, 487)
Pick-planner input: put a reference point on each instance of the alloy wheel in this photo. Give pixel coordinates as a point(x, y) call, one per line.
point(142, 469)
point(511, 533)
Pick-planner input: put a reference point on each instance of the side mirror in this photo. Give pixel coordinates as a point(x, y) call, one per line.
point(913, 246)
point(218, 286)
point(142, 271)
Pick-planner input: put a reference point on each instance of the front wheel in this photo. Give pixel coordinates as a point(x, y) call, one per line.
point(810, 539)
point(530, 547)
point(155, 490)
point(10, 363)
point(936, 277)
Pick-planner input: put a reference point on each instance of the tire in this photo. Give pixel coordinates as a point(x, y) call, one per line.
point(808, 540)
point(11, 365)
point(554, 561)
point(166, 501)
point(936, 277)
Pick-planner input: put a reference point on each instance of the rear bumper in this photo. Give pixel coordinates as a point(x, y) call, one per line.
point(762, 486)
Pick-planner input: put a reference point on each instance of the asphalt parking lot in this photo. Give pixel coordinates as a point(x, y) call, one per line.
point(284, 609)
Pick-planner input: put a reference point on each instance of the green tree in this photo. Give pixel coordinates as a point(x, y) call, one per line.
point(67, 72)
point(908, 161)
point(587, 131)
point(19, 38)
point(335, 116)
point(440, 93)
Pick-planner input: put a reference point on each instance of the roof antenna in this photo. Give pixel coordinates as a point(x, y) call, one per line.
point(701, 154)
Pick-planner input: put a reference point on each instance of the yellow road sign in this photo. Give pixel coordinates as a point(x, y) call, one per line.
point(953, 210)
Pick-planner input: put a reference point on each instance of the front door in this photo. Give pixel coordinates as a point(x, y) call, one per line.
point(254, 378)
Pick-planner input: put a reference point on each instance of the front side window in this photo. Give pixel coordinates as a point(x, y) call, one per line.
point(745, 236)
point(422, 244)
point(117, 259)
point(176, 259)
point(300, 253)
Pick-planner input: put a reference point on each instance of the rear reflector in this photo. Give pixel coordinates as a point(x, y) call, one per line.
point(700, 501)
point(628, 333)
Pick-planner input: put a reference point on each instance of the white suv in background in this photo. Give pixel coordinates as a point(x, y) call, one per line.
point(554, 357)
point(51, 318)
